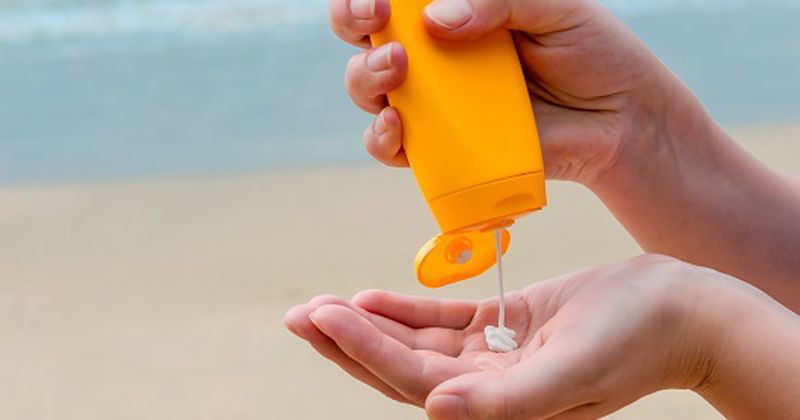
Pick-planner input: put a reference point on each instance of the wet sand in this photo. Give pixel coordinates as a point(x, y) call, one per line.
point(162, 299)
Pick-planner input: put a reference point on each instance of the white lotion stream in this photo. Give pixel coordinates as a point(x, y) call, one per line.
point(500, 338)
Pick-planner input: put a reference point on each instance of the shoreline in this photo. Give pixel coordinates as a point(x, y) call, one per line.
point(750, 136)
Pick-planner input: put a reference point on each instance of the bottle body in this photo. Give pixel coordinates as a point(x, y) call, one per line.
point(469, 130)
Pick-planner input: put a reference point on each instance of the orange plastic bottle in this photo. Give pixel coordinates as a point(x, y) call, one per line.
point(471, 139)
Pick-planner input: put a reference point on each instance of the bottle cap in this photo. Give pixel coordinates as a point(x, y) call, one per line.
point(452, 257)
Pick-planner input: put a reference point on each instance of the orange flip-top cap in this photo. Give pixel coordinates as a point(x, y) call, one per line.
point(452, 257)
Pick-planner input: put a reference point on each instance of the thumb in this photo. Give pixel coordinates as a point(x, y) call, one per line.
point(471, 19)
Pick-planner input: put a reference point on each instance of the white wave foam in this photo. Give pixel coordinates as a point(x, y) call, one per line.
point(30, 20)
point(42, 22)
point(638, 8)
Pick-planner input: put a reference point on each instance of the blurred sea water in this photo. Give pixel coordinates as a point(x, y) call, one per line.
point(110, 89)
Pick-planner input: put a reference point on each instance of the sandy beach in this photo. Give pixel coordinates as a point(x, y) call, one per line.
point(162, 299)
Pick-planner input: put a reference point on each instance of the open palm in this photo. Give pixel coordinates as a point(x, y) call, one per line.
point(412, 343)
point(590, 343)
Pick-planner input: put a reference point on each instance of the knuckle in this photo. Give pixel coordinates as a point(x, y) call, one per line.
point(354, 61)
point(371, 145)
point(366, 89)
point(338, 25)
point(373, 105)
point(338, 13)
point(352, 70)
point(386, 83)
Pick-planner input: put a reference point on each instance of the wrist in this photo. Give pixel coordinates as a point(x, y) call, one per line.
point(711, 311)
point(714, 316)
point(696, 309)
point(750, 342)
point(726, 314)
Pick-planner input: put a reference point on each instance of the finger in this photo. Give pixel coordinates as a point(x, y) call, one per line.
point(440, 340)
point(471, 19)
point(298, 322)
point(549, 382)
point(418, 312)
point(371, 74)
point(383, 139)
point(354, 20)
point(411, 373)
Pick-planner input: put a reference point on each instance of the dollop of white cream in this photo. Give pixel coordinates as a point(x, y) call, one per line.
point(500, 339)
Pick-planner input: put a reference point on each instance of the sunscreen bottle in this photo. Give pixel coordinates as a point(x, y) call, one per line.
point(471, 140)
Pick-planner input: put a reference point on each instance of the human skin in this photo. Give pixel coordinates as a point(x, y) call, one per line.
point(612, 117)
point(591, 342)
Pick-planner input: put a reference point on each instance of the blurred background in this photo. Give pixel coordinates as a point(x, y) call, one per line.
point(175, 174)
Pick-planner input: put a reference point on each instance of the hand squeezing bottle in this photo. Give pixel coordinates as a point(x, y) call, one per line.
point(471, 140)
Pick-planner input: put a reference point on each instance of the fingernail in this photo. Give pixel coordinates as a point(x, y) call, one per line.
point(447, 407)
point(362, 9)
point(380, 59)
point(380, 127)
point(451, 14)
